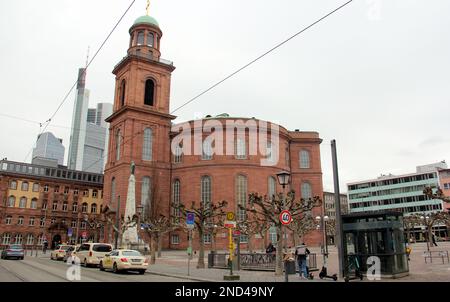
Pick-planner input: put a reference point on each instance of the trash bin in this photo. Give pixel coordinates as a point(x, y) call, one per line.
point(290, 267)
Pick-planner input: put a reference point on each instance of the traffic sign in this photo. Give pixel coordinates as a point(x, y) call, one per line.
point(190, 218)
point(237, 233)
point(230, 216)
point(285, 217)
point(84, 235)
point(230, 224)
point(69, 232)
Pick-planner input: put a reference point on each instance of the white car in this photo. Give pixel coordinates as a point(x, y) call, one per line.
point(124, 260)
point(90, 254)
point(59, 252)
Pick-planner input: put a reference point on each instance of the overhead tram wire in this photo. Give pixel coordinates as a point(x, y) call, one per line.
point(261, 56)
point(242, 68)
point(88, 64)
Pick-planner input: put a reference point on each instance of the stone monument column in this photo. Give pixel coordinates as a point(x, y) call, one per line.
point(130, 236)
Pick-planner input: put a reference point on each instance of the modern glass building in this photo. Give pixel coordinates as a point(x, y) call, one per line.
point(49, 147)
point(403, 193)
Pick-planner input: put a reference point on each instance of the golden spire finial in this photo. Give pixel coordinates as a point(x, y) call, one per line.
point(148, 7)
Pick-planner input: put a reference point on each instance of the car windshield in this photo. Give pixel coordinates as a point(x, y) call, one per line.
point(131, 253)
point(64, 247)
point(15, 247)
point(101, 248)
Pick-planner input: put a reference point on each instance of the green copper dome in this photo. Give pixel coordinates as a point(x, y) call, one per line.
point(146, 19)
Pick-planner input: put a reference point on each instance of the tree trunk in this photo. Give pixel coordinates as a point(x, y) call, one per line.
point(295, 236)
point(152, 249)
point(249, 244)
point(279, 253)
point(264, 241)
point(201, 253)
point(430, 235)
point(159, 244)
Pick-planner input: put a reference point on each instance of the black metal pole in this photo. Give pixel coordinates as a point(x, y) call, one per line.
point(339, 229)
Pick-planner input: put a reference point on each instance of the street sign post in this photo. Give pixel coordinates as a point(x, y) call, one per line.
point(190, 220)
point(230, 223)
point(285, 217)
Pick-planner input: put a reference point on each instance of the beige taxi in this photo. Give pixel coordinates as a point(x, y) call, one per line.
point(124, 260)
point(60, 251)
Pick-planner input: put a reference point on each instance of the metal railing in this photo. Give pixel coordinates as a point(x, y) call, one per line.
point(254, 261)
point(436, 254)
point(145, 55)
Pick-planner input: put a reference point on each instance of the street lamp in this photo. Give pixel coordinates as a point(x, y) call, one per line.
point(283, 179)
point(323, 226)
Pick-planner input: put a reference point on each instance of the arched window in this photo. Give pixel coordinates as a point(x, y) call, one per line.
point(147, 144)
point(94, 208)
point(11, 201)
point(304, 159)
point(140, 38)
point(24, 186)
point(145, 195)
point(241, 149)
point(306, 190)
point(35, 187)
point(40, 239)
point(122, 93)
point(18, 239)
point(205, 191)
point(6, 239)
point(118, 143)
point(94, 193)
point(34, 203)
point(150, 39)
point(241, 196)
point(176, 201)
point(55, 206)
point(74, 207)
point(207, 151)
point(8, 220)
point(149, 92)
point(23, 202)
point(30, 239)
point(13, 185)
point(113, 190)
point(178, 156)
point(272, 186)
point(84, 207)
point(65, 206)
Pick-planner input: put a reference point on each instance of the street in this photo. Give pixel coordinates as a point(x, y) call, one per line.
point(42, 269)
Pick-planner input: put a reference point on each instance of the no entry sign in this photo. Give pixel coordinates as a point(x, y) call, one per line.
point(285, 217)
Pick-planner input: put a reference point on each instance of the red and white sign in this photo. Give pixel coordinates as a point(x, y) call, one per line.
point(230, 224)
point(285, 217)
point(236, 233)
point(84, 234)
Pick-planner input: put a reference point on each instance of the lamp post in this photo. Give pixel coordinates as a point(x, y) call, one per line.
point(323, 225)
point(427, 233)
point(139, 211)
point(283, 179)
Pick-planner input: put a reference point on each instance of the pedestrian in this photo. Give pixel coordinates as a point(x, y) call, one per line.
point(45, 246)
point(408, 250)
point(433, 237)
point(301, 252)
point(270, 248)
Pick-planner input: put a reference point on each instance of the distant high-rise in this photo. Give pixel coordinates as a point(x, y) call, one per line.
point(91, 115)
point(79, 123)
point(49, 147)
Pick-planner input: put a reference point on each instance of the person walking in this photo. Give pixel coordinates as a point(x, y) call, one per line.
point(301, 252)
point(45, 246)
point(433, 237)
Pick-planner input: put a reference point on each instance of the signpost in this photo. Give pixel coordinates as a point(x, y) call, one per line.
point(230, 223)
point(285, 219)
point(190, 220)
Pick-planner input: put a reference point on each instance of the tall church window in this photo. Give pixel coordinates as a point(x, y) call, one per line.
point(147, 144)
point(241, 196)
point(146, 196)
point(118, 143)
point(304, 159)
point(140, 38)
point(149, 92)
point(122, 93)
point(150, 39)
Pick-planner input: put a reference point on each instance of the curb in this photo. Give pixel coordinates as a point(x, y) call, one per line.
point(180, 276)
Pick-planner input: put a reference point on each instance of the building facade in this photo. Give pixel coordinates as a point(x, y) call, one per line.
point(402, 193)
point(172, 171)
point(50, 147)
point(329, 209)
point(40, 202)
point(444, 183)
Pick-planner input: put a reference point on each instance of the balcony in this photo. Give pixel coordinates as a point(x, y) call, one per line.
point(147, 56)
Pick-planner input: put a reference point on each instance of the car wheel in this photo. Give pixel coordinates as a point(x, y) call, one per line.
point(141, 272)
point(51, 257)
point(115, 270)
point(22, 258)
point(85, 263)
point(100, 266)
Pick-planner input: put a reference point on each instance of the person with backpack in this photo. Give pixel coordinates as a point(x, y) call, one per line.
point(301, 252)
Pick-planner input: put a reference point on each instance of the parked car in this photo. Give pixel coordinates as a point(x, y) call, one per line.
point(72, 251)
point(13, 251)
point(91, 254)
point(59, 252)
point(124, 260)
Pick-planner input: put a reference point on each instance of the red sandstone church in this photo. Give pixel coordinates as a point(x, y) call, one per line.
point(142, 131)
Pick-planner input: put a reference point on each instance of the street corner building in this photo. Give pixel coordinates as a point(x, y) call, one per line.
point(48, 202)
point(170, 171)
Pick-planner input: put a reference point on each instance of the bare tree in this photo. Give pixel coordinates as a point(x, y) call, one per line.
point(269, 209)
point(410, 222)
point(302, 225)
point(124, 223)
point(205, 215)
point(428, 191)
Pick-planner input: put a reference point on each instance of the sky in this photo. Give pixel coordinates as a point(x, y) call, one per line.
point(374, 76)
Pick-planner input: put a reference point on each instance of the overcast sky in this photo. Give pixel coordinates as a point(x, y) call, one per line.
point(374, 76)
